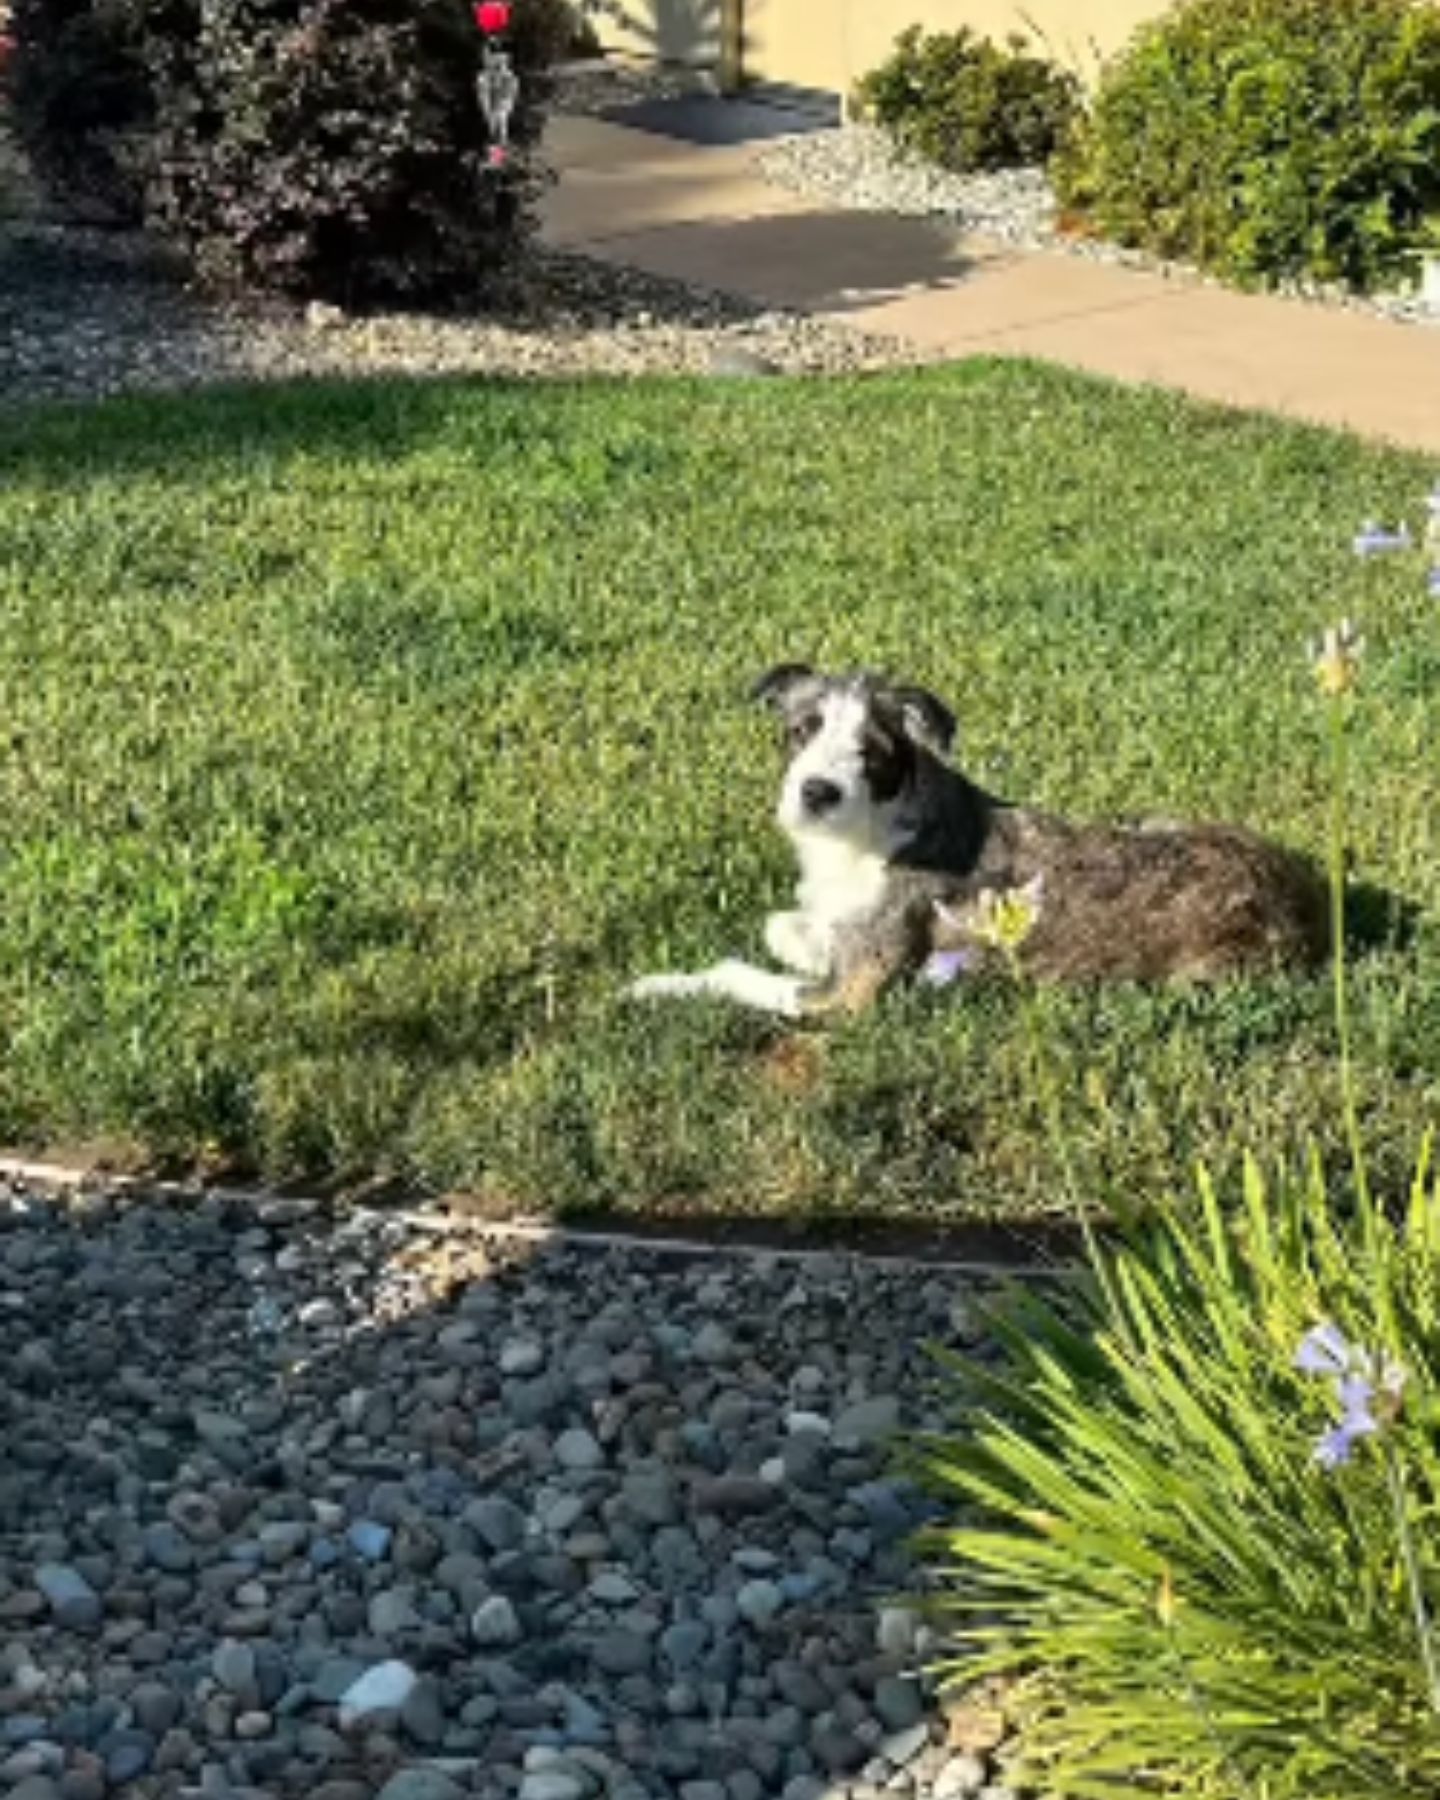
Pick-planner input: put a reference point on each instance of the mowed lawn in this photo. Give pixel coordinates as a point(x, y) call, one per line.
point(359, 744)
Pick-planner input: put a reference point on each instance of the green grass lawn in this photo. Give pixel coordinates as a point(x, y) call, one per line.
point(359, 744)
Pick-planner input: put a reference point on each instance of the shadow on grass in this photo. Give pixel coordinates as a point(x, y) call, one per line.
point(190, 436)
point(1379, 920)
point(253, 427)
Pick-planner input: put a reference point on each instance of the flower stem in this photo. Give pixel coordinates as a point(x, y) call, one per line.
point(1424, 1630)
point(1348, 1097)
point(1376, 1241)
point(1047, 1090)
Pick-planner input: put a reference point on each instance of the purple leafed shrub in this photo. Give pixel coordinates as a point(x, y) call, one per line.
point(329, 149)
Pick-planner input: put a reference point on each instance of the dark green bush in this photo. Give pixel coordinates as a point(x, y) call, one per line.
point(961, 101)
point(75, 89)
point(320, 148)
point(1270, 139)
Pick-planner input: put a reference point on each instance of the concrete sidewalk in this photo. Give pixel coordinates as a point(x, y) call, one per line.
point(702, 214)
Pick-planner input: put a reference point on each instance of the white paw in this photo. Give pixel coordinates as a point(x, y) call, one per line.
point(795, 944)
point(664, 987)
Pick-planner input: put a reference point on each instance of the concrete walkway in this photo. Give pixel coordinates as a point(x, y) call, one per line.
point(702, 214)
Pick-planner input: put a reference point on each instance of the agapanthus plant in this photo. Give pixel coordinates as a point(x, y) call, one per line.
point(1240, 1421)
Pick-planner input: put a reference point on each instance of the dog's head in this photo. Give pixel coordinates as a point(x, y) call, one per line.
point(856, 745)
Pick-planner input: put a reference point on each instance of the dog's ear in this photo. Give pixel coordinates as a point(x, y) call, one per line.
point(773, 688)
point(928, 721)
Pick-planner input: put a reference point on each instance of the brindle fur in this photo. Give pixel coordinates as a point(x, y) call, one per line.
point(1195, 903)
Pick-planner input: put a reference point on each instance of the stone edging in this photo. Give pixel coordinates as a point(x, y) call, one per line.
point(57, 1177)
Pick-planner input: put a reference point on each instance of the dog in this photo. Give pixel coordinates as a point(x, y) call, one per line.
point(902, 858)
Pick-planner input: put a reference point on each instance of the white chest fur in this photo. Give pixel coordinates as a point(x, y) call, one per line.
point(838, 881)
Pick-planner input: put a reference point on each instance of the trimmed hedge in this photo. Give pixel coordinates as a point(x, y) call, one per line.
point(959, 100)
point(1270, 140)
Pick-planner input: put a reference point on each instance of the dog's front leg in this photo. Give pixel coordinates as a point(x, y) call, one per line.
point(791, 938)
point(856, 984)
point(868, 954)
point(797, 942)
point(729, 980)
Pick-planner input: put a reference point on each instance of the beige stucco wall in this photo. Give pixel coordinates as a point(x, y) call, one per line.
point(680, 31)
point(830, 43)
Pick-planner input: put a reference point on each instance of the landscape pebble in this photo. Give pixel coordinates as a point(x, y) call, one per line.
point(585, 1594)
point(85, 314)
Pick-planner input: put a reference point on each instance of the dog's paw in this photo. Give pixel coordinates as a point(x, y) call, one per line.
point(795, 944)
point(664, 987)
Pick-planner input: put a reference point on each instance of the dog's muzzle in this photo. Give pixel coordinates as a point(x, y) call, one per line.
point(819, 797)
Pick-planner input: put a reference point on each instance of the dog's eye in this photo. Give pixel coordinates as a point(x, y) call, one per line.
point(805, 727)
point(884, 766)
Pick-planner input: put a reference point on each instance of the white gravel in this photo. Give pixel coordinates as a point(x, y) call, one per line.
point(859, 166)
point(86, 313)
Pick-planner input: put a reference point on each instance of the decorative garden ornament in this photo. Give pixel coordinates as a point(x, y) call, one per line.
point(497, 86)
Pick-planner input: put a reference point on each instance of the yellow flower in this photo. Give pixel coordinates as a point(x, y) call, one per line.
point(1001, 919)
point(1004, 920)
point(1336, 659)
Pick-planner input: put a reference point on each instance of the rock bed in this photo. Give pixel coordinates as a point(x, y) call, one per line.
point(347, 1510)
point(86, 313)
point(858, 166)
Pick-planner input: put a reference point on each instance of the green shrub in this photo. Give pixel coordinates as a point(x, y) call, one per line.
point(1269, 140)
point(959, 100)
point(1186, 1596)
point(301, 146)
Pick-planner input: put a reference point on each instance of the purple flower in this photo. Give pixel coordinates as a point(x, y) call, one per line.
point(1324, 1351)
point(1374, 539)
point(1432, 582)
point(1367, 1385)
point(1357, 1420)
point(946, 966)
point(1337, 1445)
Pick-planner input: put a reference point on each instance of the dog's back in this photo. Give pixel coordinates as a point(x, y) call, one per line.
point(898, 852)
point(1155, 902)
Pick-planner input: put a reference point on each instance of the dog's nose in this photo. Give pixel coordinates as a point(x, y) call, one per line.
point(820, 796)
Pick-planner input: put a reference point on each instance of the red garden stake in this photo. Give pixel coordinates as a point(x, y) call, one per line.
point(497, 86)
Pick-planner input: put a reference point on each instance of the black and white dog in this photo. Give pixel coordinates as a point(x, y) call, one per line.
point(900, 853)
